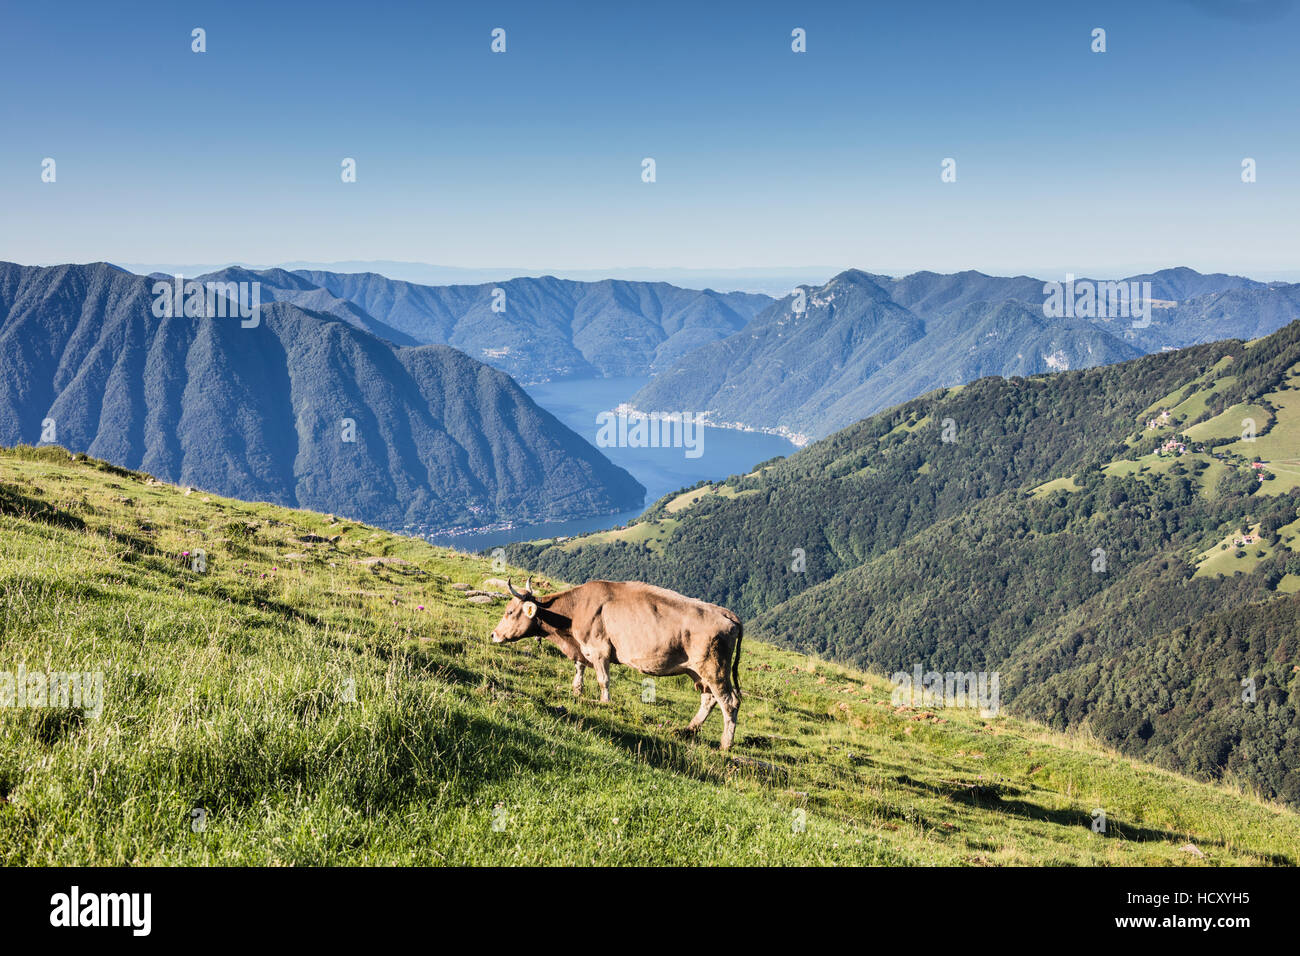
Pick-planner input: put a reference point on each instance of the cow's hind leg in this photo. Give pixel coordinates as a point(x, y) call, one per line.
point(716, 681)
point(577, 679)
point(729, 701)
point(731, 710)
point(602, 677)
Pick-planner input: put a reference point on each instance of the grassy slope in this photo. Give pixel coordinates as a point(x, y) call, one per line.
point(229, 690)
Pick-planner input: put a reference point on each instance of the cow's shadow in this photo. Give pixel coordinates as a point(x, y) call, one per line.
point(677, 752)
point(1005, 797)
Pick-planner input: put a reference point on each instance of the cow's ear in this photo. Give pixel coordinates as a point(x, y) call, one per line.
point(530, 609)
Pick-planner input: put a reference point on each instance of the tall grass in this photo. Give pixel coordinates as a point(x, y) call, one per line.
point(301, 702)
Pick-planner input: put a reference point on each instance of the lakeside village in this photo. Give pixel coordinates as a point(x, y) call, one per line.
point(708, 419)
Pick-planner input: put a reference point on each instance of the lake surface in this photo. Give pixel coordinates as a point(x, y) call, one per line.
point(724, 452)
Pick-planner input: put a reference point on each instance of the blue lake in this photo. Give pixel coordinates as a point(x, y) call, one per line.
point(724, 452)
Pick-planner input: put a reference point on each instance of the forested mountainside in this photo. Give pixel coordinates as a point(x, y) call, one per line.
point(293, 407)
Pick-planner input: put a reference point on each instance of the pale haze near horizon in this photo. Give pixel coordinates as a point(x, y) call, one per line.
point(770, 164)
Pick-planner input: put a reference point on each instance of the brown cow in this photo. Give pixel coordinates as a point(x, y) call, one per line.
point(654, 630)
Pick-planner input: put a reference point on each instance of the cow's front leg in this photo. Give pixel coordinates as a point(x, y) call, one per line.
point(577, 679)
point(707, 701)
point(601, 666)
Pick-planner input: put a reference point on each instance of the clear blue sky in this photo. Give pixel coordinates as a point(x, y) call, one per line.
point(1066, 159)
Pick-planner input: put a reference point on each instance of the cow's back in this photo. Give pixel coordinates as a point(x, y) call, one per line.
point(634, 608)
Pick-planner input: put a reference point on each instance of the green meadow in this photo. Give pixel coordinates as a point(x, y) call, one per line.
point(312, 691)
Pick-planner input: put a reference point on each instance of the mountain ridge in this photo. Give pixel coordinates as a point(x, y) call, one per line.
point(539, 329)
point(812, 385)
point(304, 408)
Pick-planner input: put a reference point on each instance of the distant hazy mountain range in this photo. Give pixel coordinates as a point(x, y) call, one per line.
point(768, 281)
point(857, 344)
point(543, 329)
point(310, 408)
point(864, 342)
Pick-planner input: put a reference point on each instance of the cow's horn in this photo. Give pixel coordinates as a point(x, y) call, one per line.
point(514, 592)
point(528, 585)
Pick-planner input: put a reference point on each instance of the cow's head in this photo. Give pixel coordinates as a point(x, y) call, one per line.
point(520, 619)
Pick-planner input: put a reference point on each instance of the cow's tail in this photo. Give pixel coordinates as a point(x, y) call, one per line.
point(735, 660)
